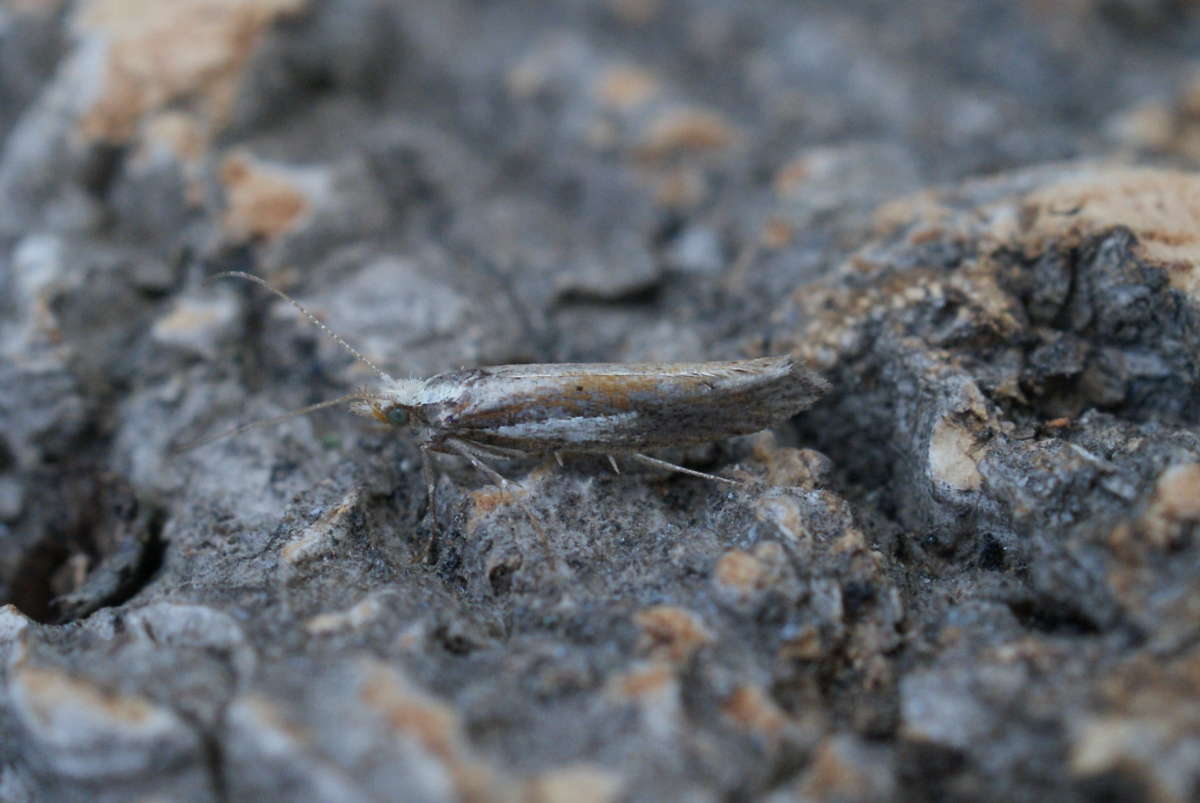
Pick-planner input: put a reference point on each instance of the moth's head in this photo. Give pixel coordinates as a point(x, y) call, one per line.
point(394, 405)
point(390, 413)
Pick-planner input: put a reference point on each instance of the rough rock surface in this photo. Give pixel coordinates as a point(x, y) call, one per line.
point(972, 572)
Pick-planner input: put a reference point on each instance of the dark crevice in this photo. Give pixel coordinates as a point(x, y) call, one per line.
point(100, 168)
point(1053, 617)
point(118, 578)
point(211, 753)
point(98, 550)
point(647, 294)
point(214, 762)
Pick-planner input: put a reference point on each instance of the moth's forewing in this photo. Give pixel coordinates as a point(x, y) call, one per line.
point(614, 407)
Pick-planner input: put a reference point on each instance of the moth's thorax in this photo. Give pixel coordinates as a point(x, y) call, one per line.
point(401, 391)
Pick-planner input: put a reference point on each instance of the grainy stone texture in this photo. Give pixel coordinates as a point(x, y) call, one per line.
point(971, 573)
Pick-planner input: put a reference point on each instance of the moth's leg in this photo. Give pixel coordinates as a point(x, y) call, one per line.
point(489, 450)
point(494, 451)
point(654, 461)
point(470, 451)
point(430, 476)
point(612, 461)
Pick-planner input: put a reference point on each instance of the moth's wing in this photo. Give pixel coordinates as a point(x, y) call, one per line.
point(707, 398)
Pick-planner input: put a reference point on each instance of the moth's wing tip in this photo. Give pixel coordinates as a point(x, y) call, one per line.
point(813, 384)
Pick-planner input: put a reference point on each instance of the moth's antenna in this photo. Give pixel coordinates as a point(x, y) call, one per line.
point(237, 274)
point(266, 422)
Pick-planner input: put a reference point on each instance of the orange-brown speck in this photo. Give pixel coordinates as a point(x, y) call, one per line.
point(430, 723)
point(671, 632)
point(682, 131)
point(262, 201)
point(752, 710)
point(626, 87)
point(645, 681)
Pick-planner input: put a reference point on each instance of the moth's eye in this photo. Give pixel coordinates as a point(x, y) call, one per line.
point(397, 416)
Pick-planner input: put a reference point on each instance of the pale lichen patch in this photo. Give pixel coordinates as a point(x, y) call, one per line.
point(952, 463)
point(577, 783)
point(353, 618)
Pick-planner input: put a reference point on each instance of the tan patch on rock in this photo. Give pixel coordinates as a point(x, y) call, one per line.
point(924, 214)
point(1173, 507)
point(682, 131)
point(490, 498)
point(1144, 727)
point(777, 233)
point(49, 693)
point(161, 53)
point(787, 516)
point(1175, 504)
point(787, 466)
point(752, 710)
point(648, 680)
point(89, 732)
point(806, 646)
point(742, 575)
point(680, 187)
point(842, 770)
point(1161, 208)
point(789, 179)
point(671, 632)
point(626, 87)
point(1153, 126)
point(1177, 494)
point(176, 132)
point(431, 724)
point(264, 716)
point(739, 573)
point(262, 200)
point(850, 542)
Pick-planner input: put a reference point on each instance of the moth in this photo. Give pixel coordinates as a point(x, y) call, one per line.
point(608, 409)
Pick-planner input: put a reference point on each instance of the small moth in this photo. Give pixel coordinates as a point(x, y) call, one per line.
point(557, 408)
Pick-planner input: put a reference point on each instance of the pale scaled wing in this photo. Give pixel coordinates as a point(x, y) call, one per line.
point(619, 407)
